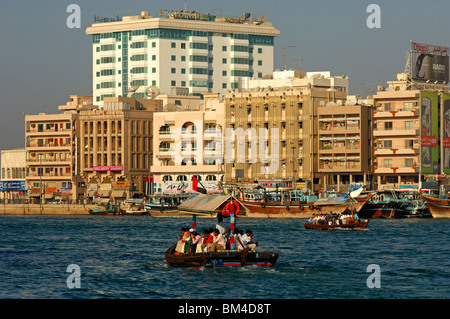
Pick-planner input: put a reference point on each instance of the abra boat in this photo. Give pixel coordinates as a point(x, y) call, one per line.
point(350, 225)
point(439, 207)
point(227, 258)
point(104, 206)
point(165, 202)
point(135, 206)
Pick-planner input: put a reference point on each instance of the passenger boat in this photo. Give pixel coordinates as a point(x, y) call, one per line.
point(203, 204)
point(104, 206)
point(165, 202)
point(350, 225)
point(226, 258)
point(135, 206)
point(439, 207)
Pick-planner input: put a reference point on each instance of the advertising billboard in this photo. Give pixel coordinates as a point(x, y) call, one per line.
point(429, 67)
point(429, 62)
point(429, 132)
point(446, 133)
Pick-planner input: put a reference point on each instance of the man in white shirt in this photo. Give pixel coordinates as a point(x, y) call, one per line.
point(247, 240)
point(218, 242)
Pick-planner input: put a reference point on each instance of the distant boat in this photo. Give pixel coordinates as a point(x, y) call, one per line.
point(135, 206)
point(164, 202)
point(439, 207)
point(104, 206)
point(302, 205)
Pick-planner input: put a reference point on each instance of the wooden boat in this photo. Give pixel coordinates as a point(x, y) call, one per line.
point(104, 206)
point(351, 225)
point(164, 202)
point(135, 206)
point(226, 258)
point(302, 206)
point(439, 207)
point(384, 204)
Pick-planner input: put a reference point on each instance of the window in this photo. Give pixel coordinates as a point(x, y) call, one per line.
point(387, 162)
point(224, 73)
point(224, 85)
point(173, 70)
point(183, 83)
point(183, 45)
point(259, 62)
point(153, 70)
point(239, 48)
point(153, 57)
point(409, 125)
point(173, 45)
point(198, 58)
point(138, 45)
point(387, 107)
point(153, 44)
point(224, 61)
point(183, 58)
point(173, 58)
point(173, 83)
point(388, 126)
point(259, 50)
point(409, 144)
point(183, 71)
point(224, 48)
point(387, 144)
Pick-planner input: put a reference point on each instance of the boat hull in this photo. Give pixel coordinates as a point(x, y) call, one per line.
point(438, 207)
point(221, 259)
point(104, 212)
point(360, 225)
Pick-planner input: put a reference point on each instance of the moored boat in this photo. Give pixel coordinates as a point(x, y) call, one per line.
point(164, 202)
point(439, 207)
point(226, 258)
point(104, 206)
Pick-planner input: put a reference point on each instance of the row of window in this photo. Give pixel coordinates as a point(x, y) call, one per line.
point(182, 35)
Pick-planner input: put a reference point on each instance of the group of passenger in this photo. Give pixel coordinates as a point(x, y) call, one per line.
point(214, 239)
point(333, 218)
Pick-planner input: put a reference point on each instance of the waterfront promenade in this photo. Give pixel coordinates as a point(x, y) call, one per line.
point(45, 209)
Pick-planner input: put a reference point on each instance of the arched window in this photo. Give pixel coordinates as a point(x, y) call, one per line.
point(211, 177)
point(181, 178)
point(167, 178)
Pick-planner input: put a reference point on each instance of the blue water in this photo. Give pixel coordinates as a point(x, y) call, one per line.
point(123, 257)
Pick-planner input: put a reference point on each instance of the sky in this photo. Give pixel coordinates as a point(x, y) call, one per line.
point(42, 61)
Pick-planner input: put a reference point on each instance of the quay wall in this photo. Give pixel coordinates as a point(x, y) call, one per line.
point(45, 209)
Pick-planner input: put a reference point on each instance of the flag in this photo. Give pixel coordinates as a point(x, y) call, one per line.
point(195, 186)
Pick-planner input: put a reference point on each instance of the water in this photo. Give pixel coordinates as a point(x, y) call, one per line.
point(123, 257)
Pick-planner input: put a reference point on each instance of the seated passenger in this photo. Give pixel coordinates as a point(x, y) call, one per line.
point(247, 240)
point(218, 242)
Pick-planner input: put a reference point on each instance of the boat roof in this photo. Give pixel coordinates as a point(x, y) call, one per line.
point(207, 204)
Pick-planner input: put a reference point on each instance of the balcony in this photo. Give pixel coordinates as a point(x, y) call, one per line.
point(378, 132)
point(396, 151)
point(48, 145)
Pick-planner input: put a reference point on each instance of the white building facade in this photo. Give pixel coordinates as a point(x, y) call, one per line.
point(176, 55)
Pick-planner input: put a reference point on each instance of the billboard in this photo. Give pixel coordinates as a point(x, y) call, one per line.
point(429, 62)
point(446, 133)
point(429, 132)
point(429, 67)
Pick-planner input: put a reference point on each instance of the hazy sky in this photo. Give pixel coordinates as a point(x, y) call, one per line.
point(42, 61)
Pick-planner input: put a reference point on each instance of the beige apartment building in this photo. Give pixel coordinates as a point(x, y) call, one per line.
point(345, 152)
point(396, 132)
point(293, 112)
point(187, 143)
point(116, 147)
point(51, 154)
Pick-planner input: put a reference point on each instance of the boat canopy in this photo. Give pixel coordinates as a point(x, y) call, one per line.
point(208, 204)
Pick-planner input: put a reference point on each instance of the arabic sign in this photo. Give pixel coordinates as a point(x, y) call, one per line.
point(12, 186)
point(107, 168)
point(429, 49)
